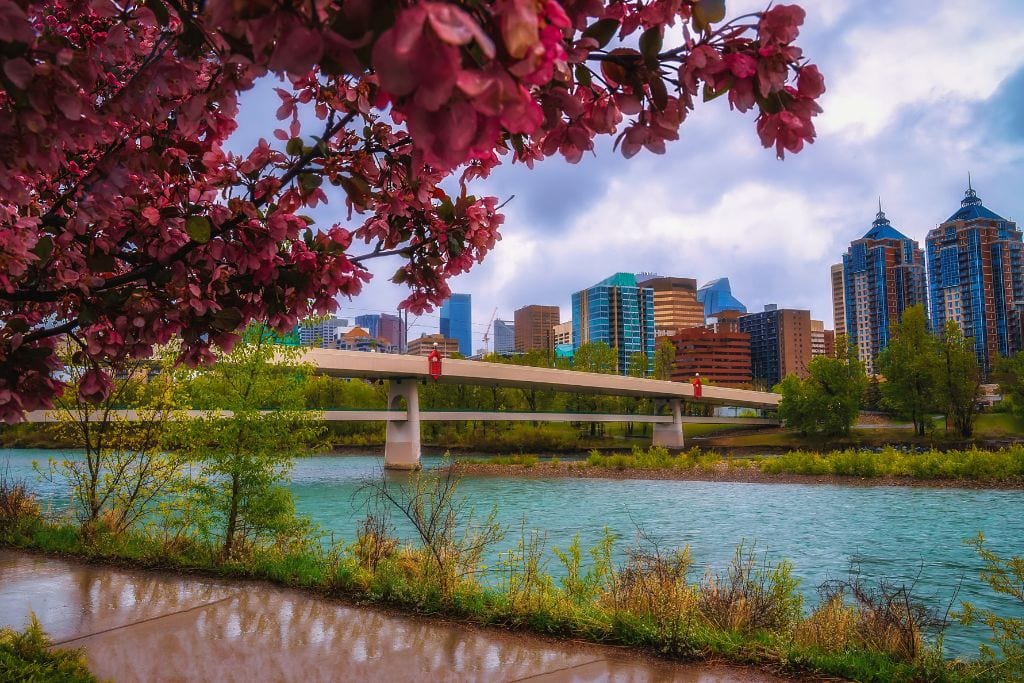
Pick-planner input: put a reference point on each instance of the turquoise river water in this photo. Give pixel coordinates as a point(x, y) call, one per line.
point(902, 534)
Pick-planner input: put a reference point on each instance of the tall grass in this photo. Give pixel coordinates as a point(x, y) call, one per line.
point(1003, 465)
point(653, 458)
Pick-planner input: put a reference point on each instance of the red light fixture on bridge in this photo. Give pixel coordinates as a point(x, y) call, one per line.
point(434, 363)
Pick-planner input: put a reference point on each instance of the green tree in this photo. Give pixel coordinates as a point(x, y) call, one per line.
point(959, 379)
point(245, 459)
point(127, 466)
point(664, 359)
point(873, 394)
point(637, 363)
point(536, 399)
point(910, 365)
point(1010, 375)
point(595, 357)
point(827, 402)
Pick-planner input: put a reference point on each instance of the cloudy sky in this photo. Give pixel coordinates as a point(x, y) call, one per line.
point(919, 93)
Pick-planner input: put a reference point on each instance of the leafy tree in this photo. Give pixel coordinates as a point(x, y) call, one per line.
point(664, 359)
point(827, 402)
point(245, 458)
point(911, 367)
point(127, 465)
point(536, 399)
point(595, 357)
point(637, 363)
point(1009, 372)
point(959, 379)
point(124, 222)
point(873, 394)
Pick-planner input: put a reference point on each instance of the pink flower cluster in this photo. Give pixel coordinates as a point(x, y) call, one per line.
point(124, 223)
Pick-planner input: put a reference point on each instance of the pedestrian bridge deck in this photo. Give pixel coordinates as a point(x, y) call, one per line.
point(457, 371)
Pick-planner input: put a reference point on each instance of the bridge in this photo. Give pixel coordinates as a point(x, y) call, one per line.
point(405, 373)
point(402, 446)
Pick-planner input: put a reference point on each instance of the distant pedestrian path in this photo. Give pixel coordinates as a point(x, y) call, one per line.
point(157, 626)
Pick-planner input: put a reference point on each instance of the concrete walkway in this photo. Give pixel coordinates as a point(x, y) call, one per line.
point(157, 626)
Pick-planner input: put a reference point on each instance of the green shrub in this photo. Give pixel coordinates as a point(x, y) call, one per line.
point(1004, 655)
point(26, 656)
point(1001, 465)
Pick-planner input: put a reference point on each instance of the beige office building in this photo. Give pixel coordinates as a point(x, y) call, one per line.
point(838, 299)
point(675, 304)
point(823, 342)
point(563, 333)
point(425, 344)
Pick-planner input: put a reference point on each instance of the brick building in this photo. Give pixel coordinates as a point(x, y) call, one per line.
point(722, 358)
point(534, 328)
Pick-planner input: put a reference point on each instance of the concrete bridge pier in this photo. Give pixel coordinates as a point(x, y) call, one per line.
point(670, 434)
point(402, 444)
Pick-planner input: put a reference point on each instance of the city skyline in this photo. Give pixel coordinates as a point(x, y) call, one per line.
point(722, 202)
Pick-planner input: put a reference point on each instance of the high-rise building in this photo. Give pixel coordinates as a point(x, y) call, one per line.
point(426, 343)
point(883, 275)
point(838, 299)
point(619, 313)
point(721, 357)
point(823, 342)
point(384, 326)
point(716, 296)
point(563, 333)
point(675, 304)
point(976, 279)
point(322, 333)
point(535, 328)
point(504, 337)
point(780, 343)
point(457, 321)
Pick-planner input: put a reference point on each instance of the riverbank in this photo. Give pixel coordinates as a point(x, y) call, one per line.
point(749, 615)
point(973, 468)
point(720, 472)
point(151, 625)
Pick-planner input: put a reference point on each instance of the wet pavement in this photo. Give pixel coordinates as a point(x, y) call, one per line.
point(157, 626)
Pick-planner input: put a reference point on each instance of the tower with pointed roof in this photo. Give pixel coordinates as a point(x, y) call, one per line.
point(883, 275)
point(976, 278)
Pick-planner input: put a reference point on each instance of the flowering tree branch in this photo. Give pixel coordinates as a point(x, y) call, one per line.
point(125, 221)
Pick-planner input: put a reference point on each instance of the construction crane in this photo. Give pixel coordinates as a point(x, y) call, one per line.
point(487, 332)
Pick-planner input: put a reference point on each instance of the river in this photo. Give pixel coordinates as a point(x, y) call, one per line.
point(902, 534)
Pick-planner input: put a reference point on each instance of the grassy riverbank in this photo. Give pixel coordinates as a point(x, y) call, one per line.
point(988, 428)
point(751, 613)
point(975, 468)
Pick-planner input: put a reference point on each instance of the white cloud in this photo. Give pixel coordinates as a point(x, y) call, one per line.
point(955, 52)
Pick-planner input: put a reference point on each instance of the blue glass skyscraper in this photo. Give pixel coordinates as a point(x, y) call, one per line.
point(976, 279)
point(504, 337)
point(457, 321)
point(883, 275)
point(717, 297)
point(619, 313)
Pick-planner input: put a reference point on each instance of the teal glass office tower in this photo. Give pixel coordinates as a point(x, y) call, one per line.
point(619, 313)
point(457, 321)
